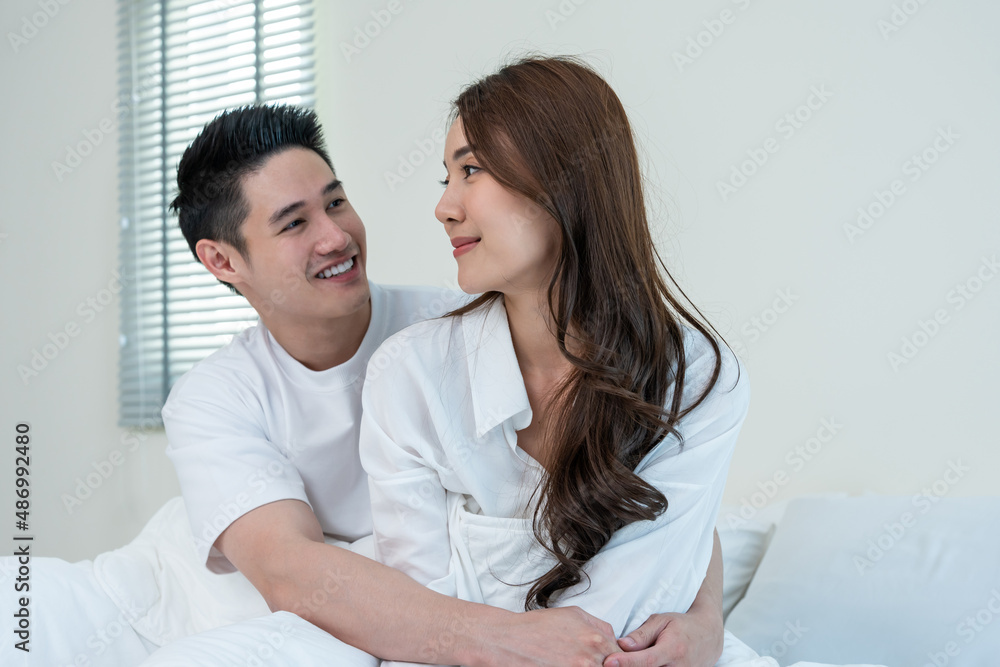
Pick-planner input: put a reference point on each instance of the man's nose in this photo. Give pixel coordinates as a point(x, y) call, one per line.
point(331, 237)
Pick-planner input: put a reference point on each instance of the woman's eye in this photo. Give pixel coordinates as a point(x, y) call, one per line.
point(468, 170)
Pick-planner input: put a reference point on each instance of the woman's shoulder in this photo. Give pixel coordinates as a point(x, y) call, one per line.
point(414, 351)
point(700, 360)
point(712, 414)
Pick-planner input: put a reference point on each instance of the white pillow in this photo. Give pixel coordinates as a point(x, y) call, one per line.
point(900, 581)
point(743, 545)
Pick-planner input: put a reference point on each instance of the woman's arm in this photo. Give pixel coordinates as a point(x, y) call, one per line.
point(693, 639)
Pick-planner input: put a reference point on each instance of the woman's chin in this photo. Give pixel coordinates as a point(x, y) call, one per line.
point(470, 285)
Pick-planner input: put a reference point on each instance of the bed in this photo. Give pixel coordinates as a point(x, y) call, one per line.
point(837, 580)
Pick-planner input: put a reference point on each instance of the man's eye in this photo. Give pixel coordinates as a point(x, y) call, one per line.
point(335, 203)
point(293, 224)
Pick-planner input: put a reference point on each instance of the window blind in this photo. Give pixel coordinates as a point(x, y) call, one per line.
point(182, 62)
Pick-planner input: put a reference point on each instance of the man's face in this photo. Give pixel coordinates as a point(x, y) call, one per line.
point(305, 243)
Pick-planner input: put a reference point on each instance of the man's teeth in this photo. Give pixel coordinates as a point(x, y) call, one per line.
point(336, 270)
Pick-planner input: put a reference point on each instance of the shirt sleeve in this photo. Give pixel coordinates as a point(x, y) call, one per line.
point(658, 566)
point(409, 501)
point(225, 461)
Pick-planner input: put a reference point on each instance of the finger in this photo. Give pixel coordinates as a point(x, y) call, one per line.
point(645, 635)
point(652, 657)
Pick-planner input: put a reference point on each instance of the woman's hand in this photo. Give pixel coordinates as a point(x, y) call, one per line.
point(693, 639)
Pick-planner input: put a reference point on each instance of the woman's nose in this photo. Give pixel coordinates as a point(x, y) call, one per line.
point(448, 208)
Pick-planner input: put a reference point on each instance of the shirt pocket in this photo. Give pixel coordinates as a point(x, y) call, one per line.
point(503, 558)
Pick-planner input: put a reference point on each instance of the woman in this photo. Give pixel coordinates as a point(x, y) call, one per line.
point(564, 438)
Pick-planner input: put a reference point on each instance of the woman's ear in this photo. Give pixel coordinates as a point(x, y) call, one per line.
point(222, 260)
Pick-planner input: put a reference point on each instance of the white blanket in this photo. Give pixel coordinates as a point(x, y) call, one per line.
point(154, 592)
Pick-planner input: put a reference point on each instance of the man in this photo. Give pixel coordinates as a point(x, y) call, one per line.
point(264, 433)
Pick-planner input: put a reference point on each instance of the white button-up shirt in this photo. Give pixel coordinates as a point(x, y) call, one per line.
point(452, 493)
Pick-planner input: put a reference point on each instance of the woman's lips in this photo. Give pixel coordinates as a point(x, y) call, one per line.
point(463, 244)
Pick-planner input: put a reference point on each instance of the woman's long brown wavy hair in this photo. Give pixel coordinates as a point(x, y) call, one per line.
point(552, 129)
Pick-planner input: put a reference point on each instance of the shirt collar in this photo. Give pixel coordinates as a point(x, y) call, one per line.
point(495, 380)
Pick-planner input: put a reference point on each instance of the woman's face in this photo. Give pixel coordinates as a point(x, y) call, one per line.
point(502, 241)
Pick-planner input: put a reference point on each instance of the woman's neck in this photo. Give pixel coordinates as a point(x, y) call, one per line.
point(532, 332)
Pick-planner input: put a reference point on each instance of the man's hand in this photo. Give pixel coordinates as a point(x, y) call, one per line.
point(671, 640)
point(563, 637)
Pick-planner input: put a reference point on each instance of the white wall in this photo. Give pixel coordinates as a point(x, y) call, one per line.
point(783, 230)
point(60, 249)
point(853, 300)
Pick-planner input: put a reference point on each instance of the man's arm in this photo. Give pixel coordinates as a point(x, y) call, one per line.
point(693, 639)
point(280, 549)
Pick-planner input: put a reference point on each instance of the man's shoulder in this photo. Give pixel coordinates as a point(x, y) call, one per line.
point(408, 304)
point(236, 365)
point(415, 348)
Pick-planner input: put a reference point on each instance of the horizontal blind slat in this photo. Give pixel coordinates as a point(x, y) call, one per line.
point(184, 61)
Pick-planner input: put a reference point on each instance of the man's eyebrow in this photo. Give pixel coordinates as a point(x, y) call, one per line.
point(282, 212)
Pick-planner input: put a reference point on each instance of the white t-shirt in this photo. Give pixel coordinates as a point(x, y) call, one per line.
point(451, 490)
point(250, 425)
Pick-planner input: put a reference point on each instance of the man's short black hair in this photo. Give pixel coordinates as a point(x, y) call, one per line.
point(210, 203)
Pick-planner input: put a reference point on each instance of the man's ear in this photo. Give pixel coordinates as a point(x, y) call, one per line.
point(222, 260)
